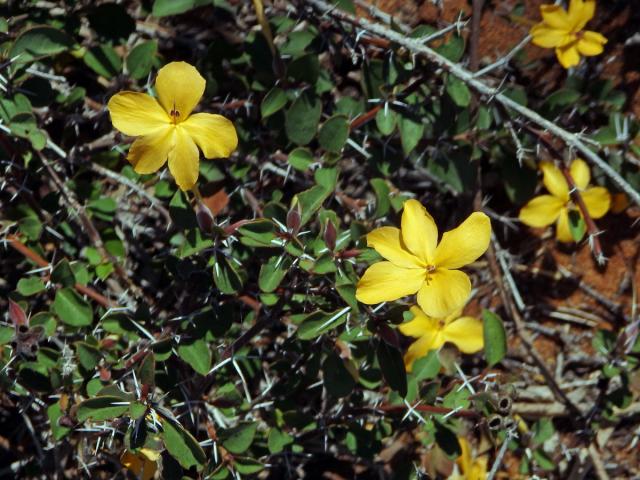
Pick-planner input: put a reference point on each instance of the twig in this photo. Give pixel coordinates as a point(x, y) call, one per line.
point(476, 17)
point(598, 466)
point(414, 45)
point(498, 461)
point(504, 60)
point(155, 203)
point(524, 335)
point(41, 262)
point(383, 16)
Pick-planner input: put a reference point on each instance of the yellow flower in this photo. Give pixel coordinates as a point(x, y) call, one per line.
point(562, 30)
point(417, 263)
point(167, 129)
point(431, 333)
point(143, 464)
point(471, 468)
point(542, 211)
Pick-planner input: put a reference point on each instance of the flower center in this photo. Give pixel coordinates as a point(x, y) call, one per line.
point(430, 269)
point(175, 115)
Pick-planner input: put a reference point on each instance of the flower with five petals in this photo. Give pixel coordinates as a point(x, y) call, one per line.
point(544, 210)
point(166, 128)
point(417, 263)
point(563, 30)
point(432, 333)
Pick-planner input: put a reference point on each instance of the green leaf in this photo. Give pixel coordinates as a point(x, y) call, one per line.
point(392, 366)
point(102, 408)
point(542, 431)
point(386, 120)
point(103, 60)
point(226, 276)
point(334, 133)
point(453, 49)
point(72, 309)
point(458, 91)
point(54, 412)
point(577, 225)
point(197, 355)
point(38, 42)
point(447, 441)
point(181, 212)
point(273, 101)
point(30, 286)
point(163, 8)
point(317, 323)
point(277, 440)
point(181, 445)
point(410, 134)
point(31, 227)
point(337, 379)
point(238, 439)
point(88, 355)
point(258, 233)
point(141, 58)
point(426, 368)
point(147, 370)
point(302, 118)
point(305, 69)
point(272, 272)
point(300, 159)
point(383, 192)
point(495, 339)
point(63, 274)
point(311, 200)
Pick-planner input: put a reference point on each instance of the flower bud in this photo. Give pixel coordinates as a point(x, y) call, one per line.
point(330, 235)
point(206, 220)
point(294, 219)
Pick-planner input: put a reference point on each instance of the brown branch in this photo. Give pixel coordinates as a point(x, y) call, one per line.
point(17, 245)
point(365, 117)
point(476, 16)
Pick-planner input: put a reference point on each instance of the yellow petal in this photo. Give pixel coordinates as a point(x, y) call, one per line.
point(465, 333)
point(422, 346)
point(541, 211)
point(554, 181)
point(180, 88)
point(465, 243)
point(215, 135)
point(580, 173)
point(445, 291)
point(563, 233)
point(385, 282)
point(479, 469)
point(548, 37)
point(464, 461)
point(580, 12)
point(568, 56)
point(148, 153)
point(139, 465)
point(555, 16)
point(419, 325)
point(419, 231)
point(136, 113)
point(387, 241)
point(597, 200)
point(591, 43)
point(184, 160)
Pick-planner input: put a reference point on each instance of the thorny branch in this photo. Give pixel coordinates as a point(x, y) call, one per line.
point(572, 140)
